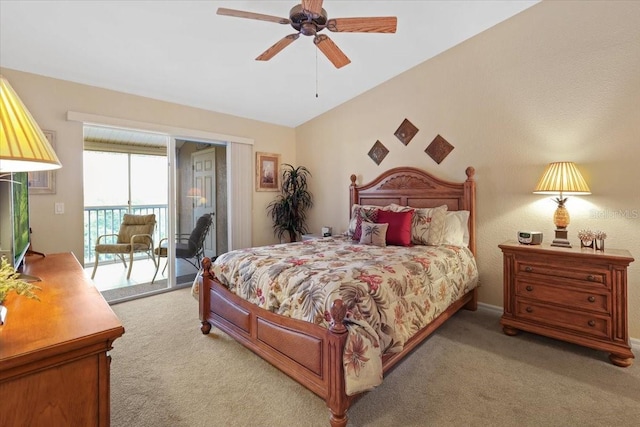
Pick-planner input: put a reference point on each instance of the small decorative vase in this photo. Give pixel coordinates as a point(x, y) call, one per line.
point(586, 244)
point(599, 244)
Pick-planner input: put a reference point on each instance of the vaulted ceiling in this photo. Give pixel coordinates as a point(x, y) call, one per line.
point(183, 52)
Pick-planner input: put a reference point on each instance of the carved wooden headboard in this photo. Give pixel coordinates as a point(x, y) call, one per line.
point(408, 186)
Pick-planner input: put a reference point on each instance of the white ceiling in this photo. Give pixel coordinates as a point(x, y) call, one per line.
point(182, 52)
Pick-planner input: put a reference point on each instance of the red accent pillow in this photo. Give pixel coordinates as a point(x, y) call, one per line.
point(399, 230)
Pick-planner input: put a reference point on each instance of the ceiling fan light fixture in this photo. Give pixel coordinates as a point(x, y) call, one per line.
point(308, 29)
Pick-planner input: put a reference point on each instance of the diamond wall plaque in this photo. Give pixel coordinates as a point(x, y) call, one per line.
point(378, 152)
point(439, 149)
point(406, 131)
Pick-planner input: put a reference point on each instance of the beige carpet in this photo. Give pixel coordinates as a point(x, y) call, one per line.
point(164, 372)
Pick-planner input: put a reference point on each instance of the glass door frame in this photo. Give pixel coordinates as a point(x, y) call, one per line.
point(171, 214)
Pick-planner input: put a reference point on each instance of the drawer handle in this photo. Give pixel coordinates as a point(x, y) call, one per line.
point(591, 323)
point(529, 288)
point(529, 310)
point(591, 278)
point(528, 269)
point(591, 298)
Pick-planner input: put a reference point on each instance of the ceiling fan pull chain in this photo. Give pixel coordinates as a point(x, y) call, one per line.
point(316, 73)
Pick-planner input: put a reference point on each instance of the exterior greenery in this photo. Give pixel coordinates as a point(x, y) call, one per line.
point(99, 220)
point(289, 211)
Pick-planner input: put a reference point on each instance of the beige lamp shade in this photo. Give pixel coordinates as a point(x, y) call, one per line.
point(23, 146)
point(562, 178)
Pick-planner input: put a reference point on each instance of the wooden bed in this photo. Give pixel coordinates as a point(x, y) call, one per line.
point(311, 354)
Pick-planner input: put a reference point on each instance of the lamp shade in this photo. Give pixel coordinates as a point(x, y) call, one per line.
point(23, 146)
point(563, 178)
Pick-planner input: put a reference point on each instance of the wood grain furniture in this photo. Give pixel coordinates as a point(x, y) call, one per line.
point(311, 354)
point(577, 295)
point(54, 362)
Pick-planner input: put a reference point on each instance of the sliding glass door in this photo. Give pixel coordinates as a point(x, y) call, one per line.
point(179, 179)
point(123, 179)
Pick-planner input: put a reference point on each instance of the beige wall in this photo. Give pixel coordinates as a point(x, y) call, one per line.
point(560, 81)
point(50, 99)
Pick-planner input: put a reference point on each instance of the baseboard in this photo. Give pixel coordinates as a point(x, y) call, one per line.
point(634, 342)
point(490, 307)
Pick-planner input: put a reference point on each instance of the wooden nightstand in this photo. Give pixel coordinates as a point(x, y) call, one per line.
point(571, 294)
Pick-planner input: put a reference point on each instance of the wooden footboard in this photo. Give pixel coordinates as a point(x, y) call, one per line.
point(310, 354)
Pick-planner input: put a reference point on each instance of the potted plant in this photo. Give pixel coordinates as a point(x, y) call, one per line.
point(10, 281)
point(289, 210)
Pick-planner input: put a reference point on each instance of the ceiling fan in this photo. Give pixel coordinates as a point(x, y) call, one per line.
point(309, 18)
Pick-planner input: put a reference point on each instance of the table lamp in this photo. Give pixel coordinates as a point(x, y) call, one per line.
point(562, 178)
point(23, 146)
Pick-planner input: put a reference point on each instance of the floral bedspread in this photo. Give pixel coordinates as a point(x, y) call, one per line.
point(391, 292)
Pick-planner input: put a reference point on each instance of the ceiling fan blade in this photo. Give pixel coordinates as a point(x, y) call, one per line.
point(313, 7)
point(379, 24)
point(251, 15)
point(331, 51)
point(276, 48)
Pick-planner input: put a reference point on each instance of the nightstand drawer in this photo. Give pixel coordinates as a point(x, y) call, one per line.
point(593, 276)
point(584, 323)
point(572, 298)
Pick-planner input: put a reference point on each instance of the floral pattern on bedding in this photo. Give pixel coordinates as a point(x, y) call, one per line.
point(391, 292)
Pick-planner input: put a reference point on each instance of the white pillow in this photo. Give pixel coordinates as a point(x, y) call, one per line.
point(456, 228)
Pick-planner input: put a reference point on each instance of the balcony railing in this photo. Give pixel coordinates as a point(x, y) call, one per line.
point(99, 220)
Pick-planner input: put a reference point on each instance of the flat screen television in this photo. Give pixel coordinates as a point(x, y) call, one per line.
point(14, 217)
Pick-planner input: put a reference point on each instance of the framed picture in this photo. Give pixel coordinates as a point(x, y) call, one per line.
point(267, 172)
point(44, 182)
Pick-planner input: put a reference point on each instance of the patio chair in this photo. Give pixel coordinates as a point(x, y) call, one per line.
point(135, 236)
point(189, 247)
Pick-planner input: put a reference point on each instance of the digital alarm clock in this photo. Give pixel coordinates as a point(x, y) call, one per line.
point(530, 237)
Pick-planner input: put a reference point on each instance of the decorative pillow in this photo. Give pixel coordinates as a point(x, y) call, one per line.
point(353, 219)
point(374, 234)
point(456, 228)
point(399, 230)
point(427, 227)
point(364, 214)
point(358, 213)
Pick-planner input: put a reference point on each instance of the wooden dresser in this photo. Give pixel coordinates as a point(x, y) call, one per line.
point(54, 362)
point(572, 294)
